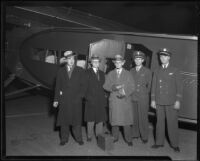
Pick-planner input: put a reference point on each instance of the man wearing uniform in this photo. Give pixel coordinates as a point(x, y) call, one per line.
point(69, 91)
point(165, 98)
point(142, 77)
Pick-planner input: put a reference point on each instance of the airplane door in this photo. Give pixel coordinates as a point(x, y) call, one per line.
point(106, 49)
point(130, 48)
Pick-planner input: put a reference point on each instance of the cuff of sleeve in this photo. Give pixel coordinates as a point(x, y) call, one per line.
point(152, 97)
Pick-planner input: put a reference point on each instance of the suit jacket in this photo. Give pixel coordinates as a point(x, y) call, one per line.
point(96, 102)
point(166, 86)
point(120, 110)
point(142, 82)
point(69, 92)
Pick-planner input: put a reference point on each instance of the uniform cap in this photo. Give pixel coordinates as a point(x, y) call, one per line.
point(164, 51)
point(138, 54)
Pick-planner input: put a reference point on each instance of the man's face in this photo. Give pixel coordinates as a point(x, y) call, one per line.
point(95, 63)
point(138, 61)
point(119, 64)
point(70, 61)
point(164, 59)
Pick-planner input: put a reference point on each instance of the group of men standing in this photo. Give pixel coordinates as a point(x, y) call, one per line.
point(129, 96)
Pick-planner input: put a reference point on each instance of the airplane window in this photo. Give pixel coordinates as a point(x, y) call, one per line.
point(45, 55)
point(81, 61)
point(51, 56)
point(38, 54)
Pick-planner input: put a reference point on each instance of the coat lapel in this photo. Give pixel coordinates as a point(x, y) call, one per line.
point(65, 73)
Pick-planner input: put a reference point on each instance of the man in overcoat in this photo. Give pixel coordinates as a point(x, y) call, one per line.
point(69, 90)
point(96, 102)
point(142, 77)
point(120, 83)
point(165, 98)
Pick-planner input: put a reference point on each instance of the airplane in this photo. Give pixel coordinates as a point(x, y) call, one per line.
point(41, 51)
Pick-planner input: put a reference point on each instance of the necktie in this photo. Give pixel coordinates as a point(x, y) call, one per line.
point(97, 73)
point(118, 73)
point(137, 69)
point(69, 71)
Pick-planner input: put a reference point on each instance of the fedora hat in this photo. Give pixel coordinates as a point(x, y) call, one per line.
point(95, 57)
point(118, 58)
point(69, 53)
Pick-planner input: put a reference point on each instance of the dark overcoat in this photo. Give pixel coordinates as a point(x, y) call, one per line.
point(69, 92)
point(96, 102)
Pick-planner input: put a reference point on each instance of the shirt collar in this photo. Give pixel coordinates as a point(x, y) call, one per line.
point(95, 69)
point(70, 67)
point(119, 70)
point(138, 67)
point(166, 65)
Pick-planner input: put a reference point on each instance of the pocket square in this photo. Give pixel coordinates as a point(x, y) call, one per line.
point(171, 73)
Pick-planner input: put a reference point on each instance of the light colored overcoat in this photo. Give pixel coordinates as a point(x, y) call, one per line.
point(120, 109)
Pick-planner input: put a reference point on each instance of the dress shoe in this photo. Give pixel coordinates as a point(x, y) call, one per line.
point(63, 142)
point(116, 140)
point(89, 139)
point(80, 142)
point(130, 143)
point(157, 146)
point(176, 149)
point(144, 141)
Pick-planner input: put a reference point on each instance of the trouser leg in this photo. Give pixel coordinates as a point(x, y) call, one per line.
point(77, 130)
point(99, 128)
point(143, 118)
point(135, 126)
point(64, 133)
point(115, 132)
point(160, 125)
point(90, 129)
point(172, 125)
point(127, 133)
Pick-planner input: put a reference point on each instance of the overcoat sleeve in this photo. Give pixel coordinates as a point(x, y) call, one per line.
point(87, 85)
point(153, 87)
point(108, 82)
point(57, 91)
point(83, 84)
point(178, 86)
point(130, 85)
point(149, 80)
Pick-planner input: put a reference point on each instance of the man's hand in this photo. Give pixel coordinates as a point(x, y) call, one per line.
point(55, 104)
point(153, 104)
point(177, 105)
point(115, 87)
